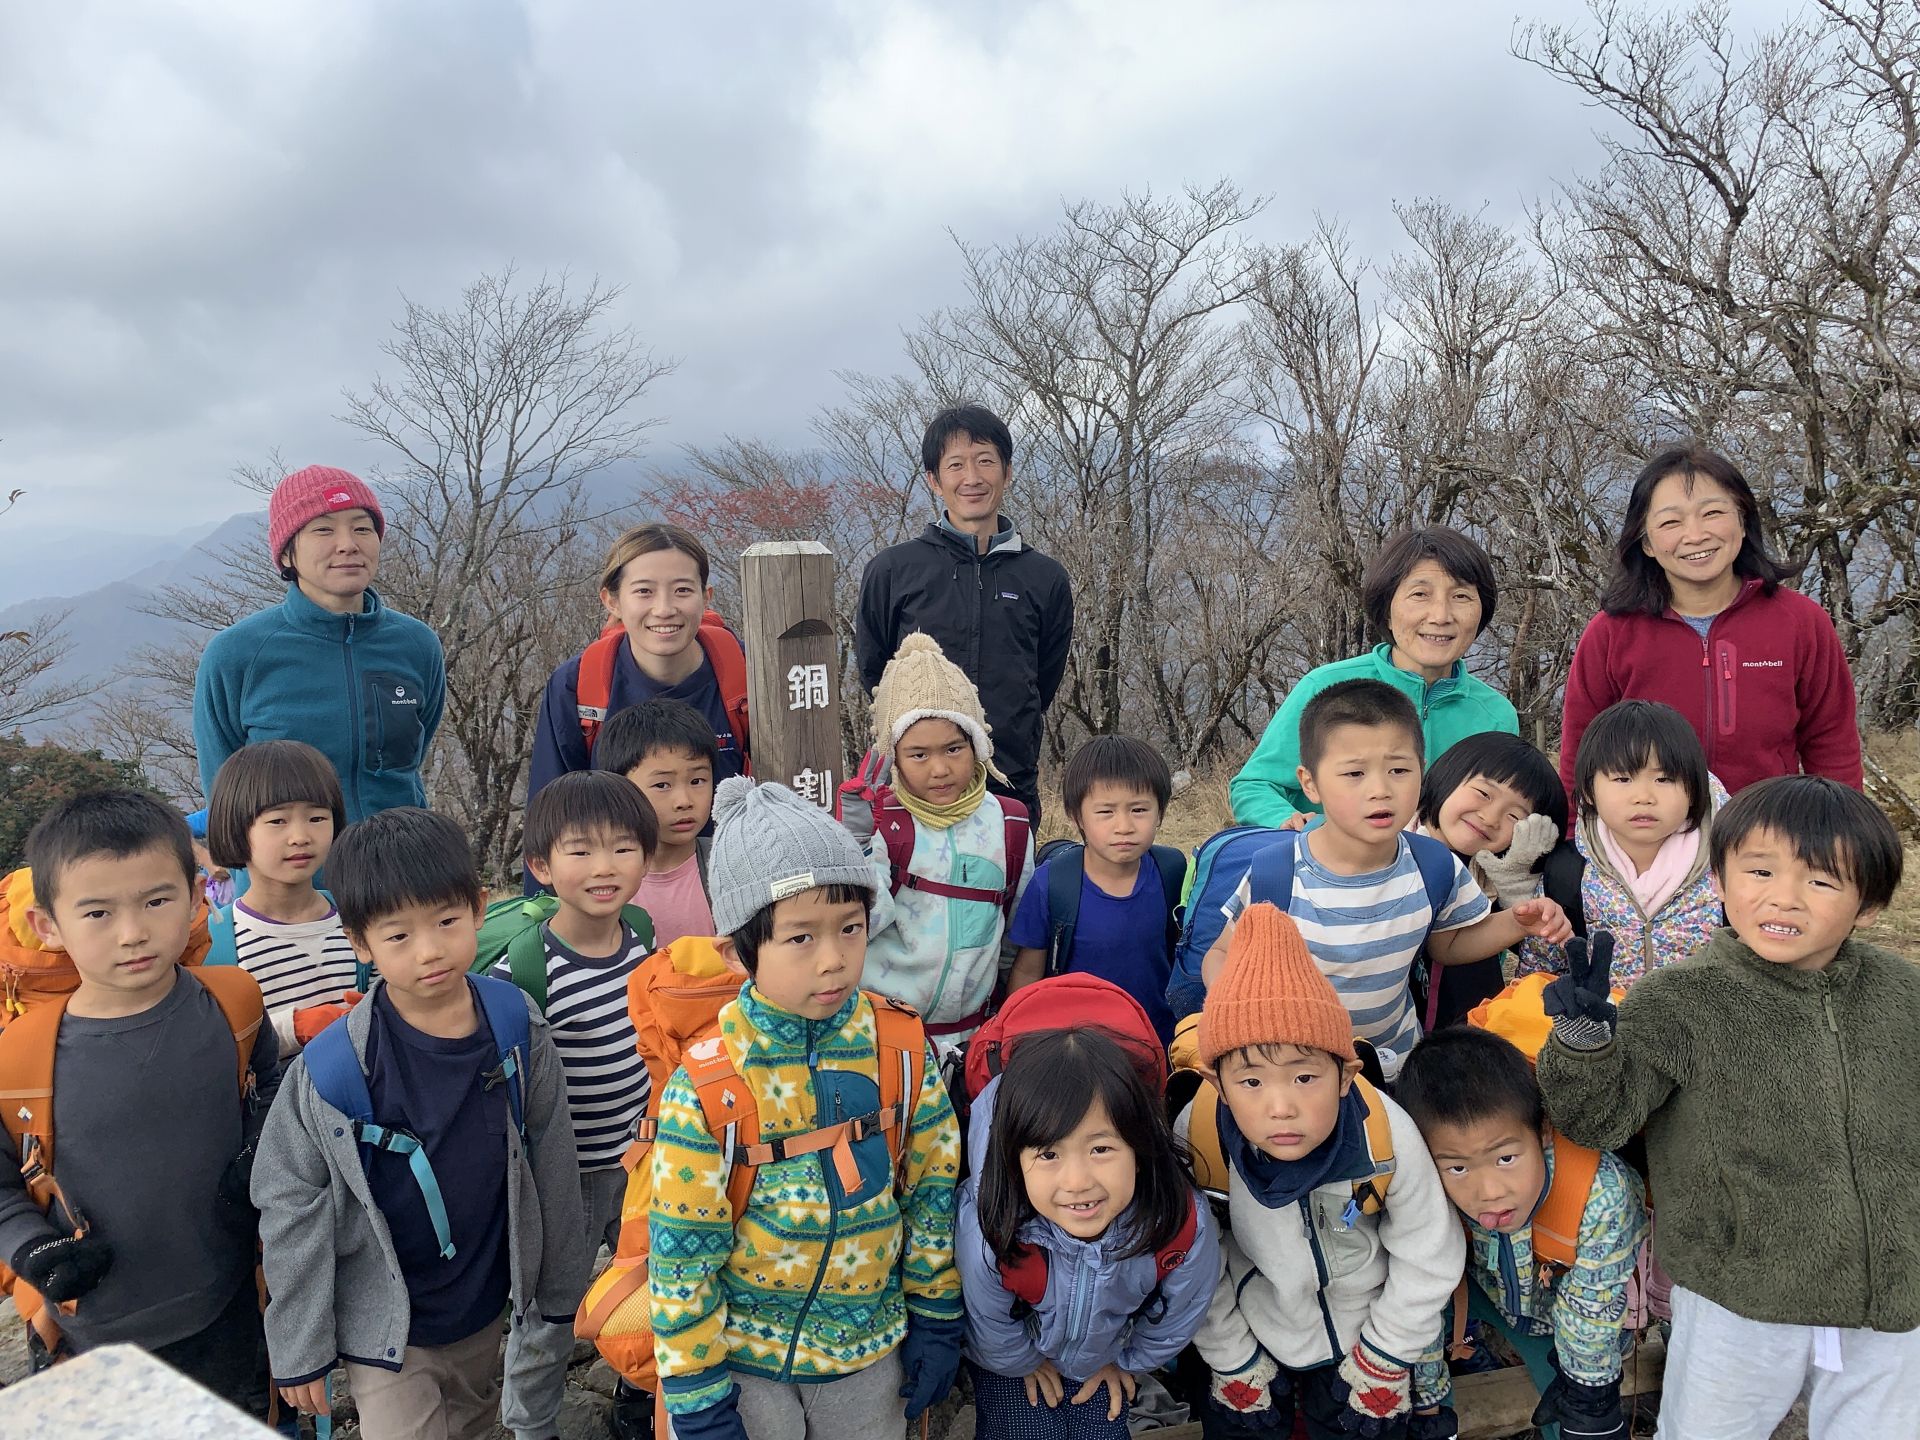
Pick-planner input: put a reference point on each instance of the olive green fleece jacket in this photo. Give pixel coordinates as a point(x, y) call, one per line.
point(1782, 1115)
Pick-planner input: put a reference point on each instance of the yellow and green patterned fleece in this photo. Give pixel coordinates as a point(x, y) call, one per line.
point(812, 1282)
point(1583, 1310)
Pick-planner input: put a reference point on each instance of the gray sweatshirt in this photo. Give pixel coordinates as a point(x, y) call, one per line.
point(146, 1119)
point(331, 1269)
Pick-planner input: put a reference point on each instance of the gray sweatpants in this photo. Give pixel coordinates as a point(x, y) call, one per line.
point(865, 1405)
point(1731, 1378)
point(537, 1352)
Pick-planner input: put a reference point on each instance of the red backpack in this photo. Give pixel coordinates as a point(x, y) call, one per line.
point(868, 797)
point(594, 689)
point(1072, 1002)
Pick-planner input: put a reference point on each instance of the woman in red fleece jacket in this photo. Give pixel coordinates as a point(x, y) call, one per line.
point(1695, 617)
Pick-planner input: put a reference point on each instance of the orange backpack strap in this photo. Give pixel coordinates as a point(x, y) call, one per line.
point(734, 1121)
point(26, 1095)
point(1556, 1224)
point(238, 995)
point(593, 687)
point(729, 663)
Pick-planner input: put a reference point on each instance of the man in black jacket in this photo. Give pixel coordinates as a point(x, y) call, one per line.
point(1002, 611)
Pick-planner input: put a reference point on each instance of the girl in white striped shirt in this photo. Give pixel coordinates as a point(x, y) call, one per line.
point(275, 809)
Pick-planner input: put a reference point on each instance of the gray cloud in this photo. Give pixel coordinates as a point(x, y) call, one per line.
point(212, 208)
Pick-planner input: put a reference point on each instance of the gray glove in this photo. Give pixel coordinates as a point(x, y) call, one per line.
point(1511, 874)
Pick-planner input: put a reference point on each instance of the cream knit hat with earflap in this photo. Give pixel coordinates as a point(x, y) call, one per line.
point(920, 683)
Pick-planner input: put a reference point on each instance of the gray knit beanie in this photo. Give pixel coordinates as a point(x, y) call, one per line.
point(768, 845)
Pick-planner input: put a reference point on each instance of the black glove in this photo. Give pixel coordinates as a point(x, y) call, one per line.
point(929, 1359)
point(1442, 1424)
point(1580, 1001)
point(1590, 1411)
point(236, 1206)
point(64, 1268)
point(1223, 1422)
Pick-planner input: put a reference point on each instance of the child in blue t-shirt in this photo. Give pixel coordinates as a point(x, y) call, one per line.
point(1116, 792)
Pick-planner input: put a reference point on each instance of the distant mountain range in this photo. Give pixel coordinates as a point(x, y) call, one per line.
point(105, 624)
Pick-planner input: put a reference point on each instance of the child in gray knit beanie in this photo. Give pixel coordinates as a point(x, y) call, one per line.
point(770, 845)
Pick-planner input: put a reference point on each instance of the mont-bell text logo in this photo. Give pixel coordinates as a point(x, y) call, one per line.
point(1763, 664)
point(338, 497)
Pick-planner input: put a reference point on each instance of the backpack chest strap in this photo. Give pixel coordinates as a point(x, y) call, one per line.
point(399, 1142)
point(947, 891)
point(839, 1139)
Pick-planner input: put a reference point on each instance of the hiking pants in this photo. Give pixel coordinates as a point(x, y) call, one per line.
point(537, 1349)
point(440, 1392)
point(1730, 1378)
point(864, 1404)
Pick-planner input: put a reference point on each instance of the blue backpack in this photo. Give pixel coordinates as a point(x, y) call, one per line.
point(337, 1076)
point(1066, 862)
point(1221, 861)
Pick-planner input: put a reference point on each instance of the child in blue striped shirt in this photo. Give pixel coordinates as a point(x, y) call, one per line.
point(1357, 891)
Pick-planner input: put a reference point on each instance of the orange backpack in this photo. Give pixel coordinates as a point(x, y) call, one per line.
point(32, 975)
point(675, 998)
point(1518, 1014)
point(26, 1110)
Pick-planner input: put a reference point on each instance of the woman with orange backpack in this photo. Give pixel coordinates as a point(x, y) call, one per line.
point(661, 642)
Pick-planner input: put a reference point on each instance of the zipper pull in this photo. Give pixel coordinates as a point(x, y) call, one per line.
point(1826, 1004)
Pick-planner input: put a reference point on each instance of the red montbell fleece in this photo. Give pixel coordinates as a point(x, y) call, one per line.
point(1768, 691)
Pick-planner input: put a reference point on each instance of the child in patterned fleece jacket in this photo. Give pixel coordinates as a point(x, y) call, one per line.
point(1646, 807)
point(1474, 1096)
point(834, 1296)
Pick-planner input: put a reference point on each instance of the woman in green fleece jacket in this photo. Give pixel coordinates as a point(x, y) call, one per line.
point(1432, 591)
point(1776, 1073)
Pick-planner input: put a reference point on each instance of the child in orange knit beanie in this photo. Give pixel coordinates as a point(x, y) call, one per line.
point(1331, 1304)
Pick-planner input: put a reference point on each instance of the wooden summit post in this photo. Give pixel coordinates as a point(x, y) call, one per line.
point(793, 667)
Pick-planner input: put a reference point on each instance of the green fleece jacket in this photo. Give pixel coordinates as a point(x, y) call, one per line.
point(1267, 789)
point(1782, 1115)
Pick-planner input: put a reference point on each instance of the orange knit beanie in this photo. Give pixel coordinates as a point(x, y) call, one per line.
point(1271, 993)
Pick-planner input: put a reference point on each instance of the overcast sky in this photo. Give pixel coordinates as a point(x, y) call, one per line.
point(208, 210)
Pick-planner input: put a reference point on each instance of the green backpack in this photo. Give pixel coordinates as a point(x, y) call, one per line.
point(511, 928)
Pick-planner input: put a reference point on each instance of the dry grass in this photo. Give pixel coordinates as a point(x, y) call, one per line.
point(1202, 809)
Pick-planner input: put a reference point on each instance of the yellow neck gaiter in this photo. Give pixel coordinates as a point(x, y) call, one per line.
point(943, 817)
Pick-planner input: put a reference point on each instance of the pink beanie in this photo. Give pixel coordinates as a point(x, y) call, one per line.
point(306, 495)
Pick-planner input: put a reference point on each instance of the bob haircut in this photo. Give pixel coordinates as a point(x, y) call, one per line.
point(1506, 759)
point(1462, 1075)
point(632, 734)
point(1638, 586)
point(1371, 703)
point(398, 858)
point(1832, 828)
point(113, 823)
point(1115, 760)
point(1397, 556)
point(748, 939)
point(650, 540)
point(976, 422)
point(587, 802)
point(1631, 734)
point(1051, 1081)
point(261, 777)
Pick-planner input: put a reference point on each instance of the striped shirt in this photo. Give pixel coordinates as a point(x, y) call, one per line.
point(1364, 932)
point(305, 963)
point(607, 1083)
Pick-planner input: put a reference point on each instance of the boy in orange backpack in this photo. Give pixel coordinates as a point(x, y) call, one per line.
point(831, 1295)
point(145, 1237)
point(1474, 1096)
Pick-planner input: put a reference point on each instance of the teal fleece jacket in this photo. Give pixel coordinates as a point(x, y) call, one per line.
point(364, 690)
point(1782, 1115)
point(1267, 789)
